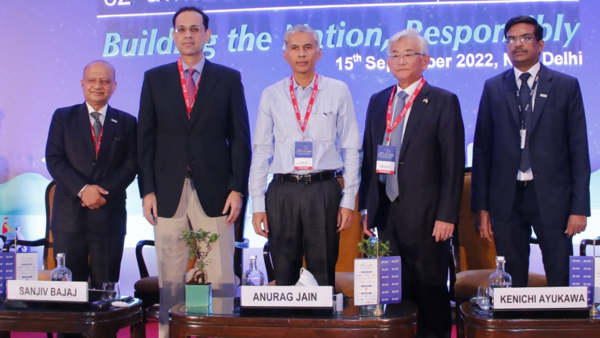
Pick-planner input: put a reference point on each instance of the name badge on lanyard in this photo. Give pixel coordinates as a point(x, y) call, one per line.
point(303, 151)
point(386, 160)
point(386, 154)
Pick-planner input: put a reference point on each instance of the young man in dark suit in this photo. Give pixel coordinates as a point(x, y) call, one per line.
point(194, 155)
point(531, 165)
point(413, 197)
point(91, 154)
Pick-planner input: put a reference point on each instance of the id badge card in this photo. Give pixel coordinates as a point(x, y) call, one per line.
point(523, 133)
point(386, 160)
point(303, 156)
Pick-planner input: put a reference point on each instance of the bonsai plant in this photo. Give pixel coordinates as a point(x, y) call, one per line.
point(198, 291)
point(199, 244)
point(373, 248)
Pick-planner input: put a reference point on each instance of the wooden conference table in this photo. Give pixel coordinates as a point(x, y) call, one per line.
point(94, 324)
point(399, 321)
point(478, 323)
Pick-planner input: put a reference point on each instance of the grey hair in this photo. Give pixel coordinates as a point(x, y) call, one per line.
point(104, 62)
point(409, 33)
point(304, 29)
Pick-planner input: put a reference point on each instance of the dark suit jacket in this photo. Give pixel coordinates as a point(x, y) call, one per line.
point(214, 143)
point(558, 148)
point(431, 163)
point(71, 160)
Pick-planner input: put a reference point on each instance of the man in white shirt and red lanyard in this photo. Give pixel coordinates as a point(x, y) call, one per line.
point(306, 133)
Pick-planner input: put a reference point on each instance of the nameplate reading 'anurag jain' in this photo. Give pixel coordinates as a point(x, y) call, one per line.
point(47, 291)
point(548, 298)
point(287, 296)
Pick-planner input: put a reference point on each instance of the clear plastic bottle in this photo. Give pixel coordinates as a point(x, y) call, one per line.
point(499, 279)
point(61, 272)
point(253, 276)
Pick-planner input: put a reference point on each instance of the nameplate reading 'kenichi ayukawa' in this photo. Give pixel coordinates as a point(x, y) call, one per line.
point(540, 298)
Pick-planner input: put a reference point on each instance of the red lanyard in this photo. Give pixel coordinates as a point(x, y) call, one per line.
point(389, 127)
point(188, 103)
point(313, 95)
point(97, 142)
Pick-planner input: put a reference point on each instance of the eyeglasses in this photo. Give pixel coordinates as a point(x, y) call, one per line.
point(193, 30)
point(405, 55)
point(524, 39)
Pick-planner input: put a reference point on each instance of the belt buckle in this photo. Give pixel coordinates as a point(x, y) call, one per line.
point(300, 178)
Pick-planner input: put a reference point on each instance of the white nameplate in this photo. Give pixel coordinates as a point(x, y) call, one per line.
point(574, 297)
point(287, 296)
point(43, 291)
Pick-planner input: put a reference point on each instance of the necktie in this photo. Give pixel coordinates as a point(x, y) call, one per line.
point(391, 181)
point(97, 126)
point(524, 97)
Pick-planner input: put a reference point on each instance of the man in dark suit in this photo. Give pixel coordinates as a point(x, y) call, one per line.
point(413, 198)
point(531, 166)
point(194, 155)
point(91, 154)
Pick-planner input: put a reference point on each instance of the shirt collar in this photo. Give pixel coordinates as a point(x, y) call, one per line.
point(312, 83)
point(533, 71)
point(101, 110)
point(198, 67)
point(410, 89)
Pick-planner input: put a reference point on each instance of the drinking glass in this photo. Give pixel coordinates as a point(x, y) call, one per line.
point(483, 297)
point(111, 291)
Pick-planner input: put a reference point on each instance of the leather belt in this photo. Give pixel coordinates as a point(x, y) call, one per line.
point(309, 178)
point(524, 183)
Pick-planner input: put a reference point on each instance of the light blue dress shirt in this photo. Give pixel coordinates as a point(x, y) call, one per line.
point(332, 129)
point(198, 67)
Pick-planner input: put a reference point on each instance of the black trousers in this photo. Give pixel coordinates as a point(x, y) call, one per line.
point(105, 254)
point(302, 221)
point(512, 240)
point(425, 265)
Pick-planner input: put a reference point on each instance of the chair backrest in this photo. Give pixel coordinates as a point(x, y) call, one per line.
point(470, 251)
point(49, 262)
point(349, 239)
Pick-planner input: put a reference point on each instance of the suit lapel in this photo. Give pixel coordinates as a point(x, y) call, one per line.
point(208, 81)
point(172, 86)
point(83, 122)
point(544, 87)
point(510, 92)
point(379, 114)
point(416, 112)
point(111, 122)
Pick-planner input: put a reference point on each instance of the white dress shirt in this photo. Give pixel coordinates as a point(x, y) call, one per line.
point(528, 175)
point(332, 128)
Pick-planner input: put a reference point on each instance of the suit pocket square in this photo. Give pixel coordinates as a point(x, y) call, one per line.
point(113, 120)
point(543, 95)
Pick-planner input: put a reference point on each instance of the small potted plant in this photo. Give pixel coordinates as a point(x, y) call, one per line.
point(198, 291)
point(372, 248)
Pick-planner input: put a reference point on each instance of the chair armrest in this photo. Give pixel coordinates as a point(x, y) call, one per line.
point(9, 244)
point(585, 242)
point(268, 262)
point(140, 258)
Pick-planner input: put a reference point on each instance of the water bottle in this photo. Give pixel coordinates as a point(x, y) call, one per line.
point(61, 272)
point(253, 276)
point(499, 279)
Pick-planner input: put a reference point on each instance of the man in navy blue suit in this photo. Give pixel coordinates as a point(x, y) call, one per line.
point(91, 154)
point(531, 165)
point(413, 198)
